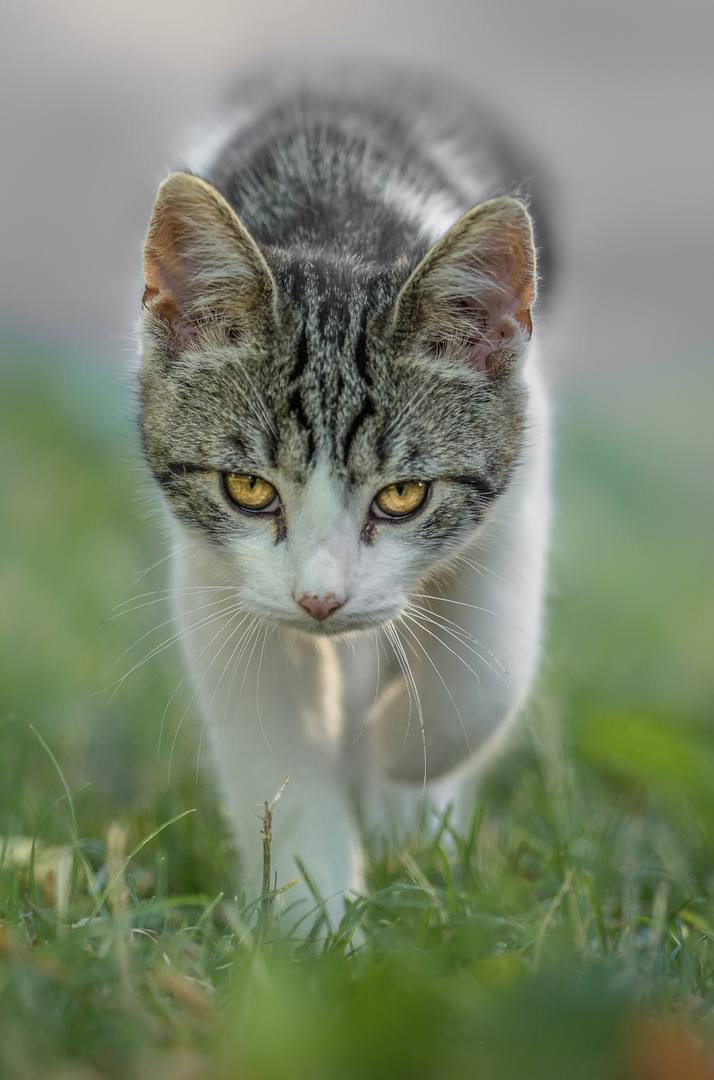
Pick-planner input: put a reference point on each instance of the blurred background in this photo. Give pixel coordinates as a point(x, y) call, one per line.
point(614, 102)
point(613, 98)
point(597, 826)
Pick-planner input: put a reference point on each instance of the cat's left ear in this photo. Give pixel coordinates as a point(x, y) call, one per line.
point(199, 258)
point(469, 299)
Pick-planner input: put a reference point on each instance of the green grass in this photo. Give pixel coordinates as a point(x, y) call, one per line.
point(569, 934)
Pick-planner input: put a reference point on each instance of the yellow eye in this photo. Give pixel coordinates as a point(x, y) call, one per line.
point(400, 499)
point(251, 492)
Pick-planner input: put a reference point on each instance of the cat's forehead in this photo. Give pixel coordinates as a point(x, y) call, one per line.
point(327, 383)
point(326, 293)
point(334, 297)
point(326, 395)
point(342, 394)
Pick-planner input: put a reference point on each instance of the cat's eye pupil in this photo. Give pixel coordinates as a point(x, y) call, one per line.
point(251, 492)
point(400, 499)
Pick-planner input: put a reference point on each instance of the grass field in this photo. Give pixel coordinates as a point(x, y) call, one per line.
point(568, 935)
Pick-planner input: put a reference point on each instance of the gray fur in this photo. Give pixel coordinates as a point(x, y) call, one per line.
point(339, 300)
point(306, 176)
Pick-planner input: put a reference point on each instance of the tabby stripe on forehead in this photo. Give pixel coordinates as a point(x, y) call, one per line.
point(297, 408)
point(324, 312)
point(302, 356)
point(361, 348)
point(364, 413)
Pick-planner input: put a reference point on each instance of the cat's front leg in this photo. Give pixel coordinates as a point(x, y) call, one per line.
point(312, 832)
point(271, 712)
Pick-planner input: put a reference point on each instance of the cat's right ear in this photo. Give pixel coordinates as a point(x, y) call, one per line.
point(469, 300)
point(200, 260)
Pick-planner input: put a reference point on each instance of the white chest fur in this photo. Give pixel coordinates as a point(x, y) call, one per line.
point(359, 724)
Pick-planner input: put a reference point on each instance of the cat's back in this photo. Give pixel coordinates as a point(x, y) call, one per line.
point(366, 161)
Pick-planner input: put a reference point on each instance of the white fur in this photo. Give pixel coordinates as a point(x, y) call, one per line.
point(336, 713)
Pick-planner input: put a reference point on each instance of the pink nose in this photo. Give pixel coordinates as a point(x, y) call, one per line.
point(319, 606)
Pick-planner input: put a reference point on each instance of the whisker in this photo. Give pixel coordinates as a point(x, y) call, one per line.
point(160, 626)
point(415, 619)
point(185, 675)
point(235, 660)
point(160, 596)
point(443, 683)
point(177, 636)
point(245, 673)
point(160, 562)
point(226, 666)
point(453, 628)
point(482, 570)
point(485, 611)
point(257, 686)
point(403, 660)
point(473, 607)
point(389, 633)
point(375, 639)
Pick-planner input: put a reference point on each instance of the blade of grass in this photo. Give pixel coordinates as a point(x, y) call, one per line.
point(132, 854)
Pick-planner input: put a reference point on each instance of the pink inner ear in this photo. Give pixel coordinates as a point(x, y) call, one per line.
point(480, 355)
point(507, 312)
point(168, 284)
point(166, 269)
point(501, 331)
point(162, 303)
point(469, 299)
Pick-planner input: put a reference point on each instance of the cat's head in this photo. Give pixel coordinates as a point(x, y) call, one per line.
point(332, 431)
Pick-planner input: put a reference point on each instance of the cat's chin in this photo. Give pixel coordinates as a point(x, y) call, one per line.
point(340, 626)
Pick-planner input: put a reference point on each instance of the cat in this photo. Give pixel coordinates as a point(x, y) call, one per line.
point(341, 403)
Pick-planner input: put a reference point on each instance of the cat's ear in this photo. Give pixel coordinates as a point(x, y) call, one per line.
point(469, 299)
point(199, 259)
